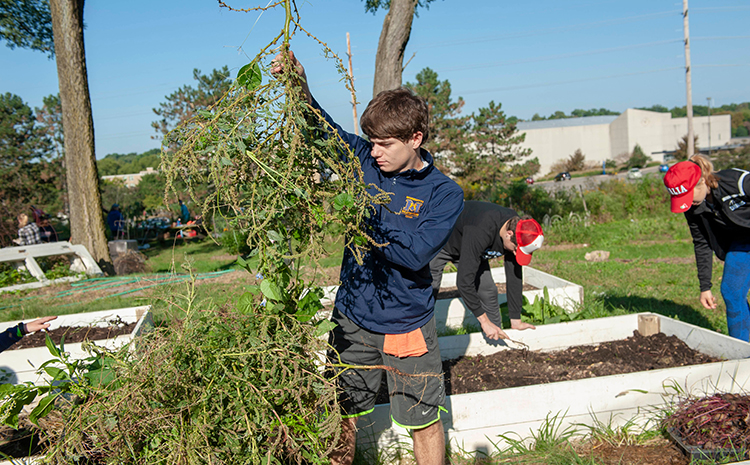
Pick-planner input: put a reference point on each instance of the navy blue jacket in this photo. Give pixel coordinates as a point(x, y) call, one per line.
point(391, 292)
point(11, 335)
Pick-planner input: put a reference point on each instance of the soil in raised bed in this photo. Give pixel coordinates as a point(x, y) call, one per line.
point(74, 334)
point(520, 367)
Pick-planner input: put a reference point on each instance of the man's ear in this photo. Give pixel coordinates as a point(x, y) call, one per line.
point(416, 140)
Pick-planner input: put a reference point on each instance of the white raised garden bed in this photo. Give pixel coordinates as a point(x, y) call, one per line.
point(475, 420)
point(21, 365)
point(451, 313)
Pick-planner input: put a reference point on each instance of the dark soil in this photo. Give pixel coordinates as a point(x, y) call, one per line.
point(513, 368)
point(23, 442)
point(73, 334)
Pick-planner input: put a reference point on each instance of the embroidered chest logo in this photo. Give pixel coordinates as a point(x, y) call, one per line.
point(734, 205)
point(412, 207)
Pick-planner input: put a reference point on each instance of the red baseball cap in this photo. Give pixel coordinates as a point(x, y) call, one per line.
point(680, 180)
point(529, 237)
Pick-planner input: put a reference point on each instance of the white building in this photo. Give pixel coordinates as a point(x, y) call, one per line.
point(130, 180)
point(602, 138)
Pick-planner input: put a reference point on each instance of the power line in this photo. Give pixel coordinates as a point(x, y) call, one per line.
point(560, 56)
point(571, 81)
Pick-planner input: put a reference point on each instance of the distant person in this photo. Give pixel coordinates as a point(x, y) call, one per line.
point(47, 232)
point(28, 232)
point(114, 221)
point(12, 335)
point(717, 209)
point(483, 231)
point(184, 213)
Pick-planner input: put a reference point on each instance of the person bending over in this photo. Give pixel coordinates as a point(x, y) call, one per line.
point(717, 209)
point(486, 230)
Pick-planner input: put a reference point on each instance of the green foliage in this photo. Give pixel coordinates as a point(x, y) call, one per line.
point(447, 128)
point(638, 159)
point(186, 102)
point(27, 24)
point(483, 167)
point(576, 162)
point(12, 276)
point(69, 379)
point(680, 154)
point(543, 311)
point(28, 174)
point(737, 158)
point(116, 163)
point(234, 242)
point(372, 6)
point(577, 113)
point(239, 385)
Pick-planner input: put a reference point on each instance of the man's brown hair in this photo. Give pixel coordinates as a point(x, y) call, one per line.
point(513, 223)
point(397, 113)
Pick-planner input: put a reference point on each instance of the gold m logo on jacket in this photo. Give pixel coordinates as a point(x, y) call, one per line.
point(412, 207)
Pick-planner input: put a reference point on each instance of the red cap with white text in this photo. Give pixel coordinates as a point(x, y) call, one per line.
point(680, 180)
point(529, 237)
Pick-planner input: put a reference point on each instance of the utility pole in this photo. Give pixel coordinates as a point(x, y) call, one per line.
point(351, 80)
point(709, 125)
point(690, 134)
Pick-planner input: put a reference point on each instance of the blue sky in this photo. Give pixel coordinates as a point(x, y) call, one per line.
point(537, 56)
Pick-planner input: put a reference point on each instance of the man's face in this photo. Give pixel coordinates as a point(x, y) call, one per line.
point(395, 156)
point(700, 192)
point(508, 243)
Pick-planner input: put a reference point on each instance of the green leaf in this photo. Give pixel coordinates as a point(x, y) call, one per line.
point(274, 236)
point(56, 373)
point(102, 377)
point(226, 161)
point(43, 408)
point(343, 200)
point(308, 306)
point(323, 327)
point(270, 290)
point(246, 302)
point(51, 347)
point(250, 76)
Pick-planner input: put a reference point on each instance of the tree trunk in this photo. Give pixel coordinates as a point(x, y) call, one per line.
point(393, 39)
point(86, 220)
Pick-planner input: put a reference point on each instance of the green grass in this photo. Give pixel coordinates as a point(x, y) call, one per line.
point(651, 268)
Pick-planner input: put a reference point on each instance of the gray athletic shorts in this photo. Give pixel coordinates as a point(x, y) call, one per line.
point(416, 401)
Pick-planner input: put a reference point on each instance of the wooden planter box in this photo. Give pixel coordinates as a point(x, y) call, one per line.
point(475, 420)
point(21, 365)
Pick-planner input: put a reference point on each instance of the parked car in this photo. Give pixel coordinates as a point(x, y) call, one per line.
point(663, 168)
point(529, 180)
point(564, 176)
point(634, 173)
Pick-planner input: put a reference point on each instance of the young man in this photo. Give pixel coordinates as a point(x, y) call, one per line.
point(483, 231)
point(384, 308)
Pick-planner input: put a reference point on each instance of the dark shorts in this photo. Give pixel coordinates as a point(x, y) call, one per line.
point(417, 394)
